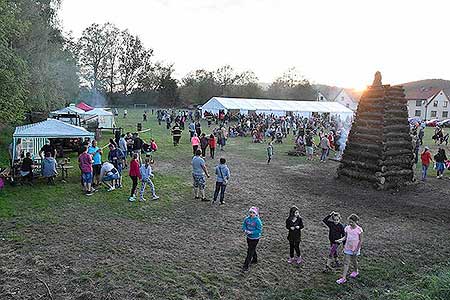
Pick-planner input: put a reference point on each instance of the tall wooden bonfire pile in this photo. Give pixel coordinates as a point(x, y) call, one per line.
point(379, 148)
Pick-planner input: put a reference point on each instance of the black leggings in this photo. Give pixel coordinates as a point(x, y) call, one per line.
point(194, 149)
point(251, 252)
point(211, 151)
point(135, 183)
point(203, 152)
point(294, 246)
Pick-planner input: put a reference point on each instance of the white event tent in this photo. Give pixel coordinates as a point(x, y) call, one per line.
point(69, 112)
point(34, 136)
point(275, 107)
point(105, 118)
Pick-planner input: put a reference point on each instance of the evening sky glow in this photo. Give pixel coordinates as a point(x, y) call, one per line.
point(331, 42)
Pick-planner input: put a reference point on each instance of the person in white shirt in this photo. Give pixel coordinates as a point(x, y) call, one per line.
point(109, 173)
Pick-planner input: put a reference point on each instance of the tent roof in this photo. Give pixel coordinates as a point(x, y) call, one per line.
point(66, 110)
point(84, 106)
point(99, 112)
point(275, 105)
point(51, 128)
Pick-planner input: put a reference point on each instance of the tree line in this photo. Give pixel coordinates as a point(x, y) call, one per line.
point(42, 68)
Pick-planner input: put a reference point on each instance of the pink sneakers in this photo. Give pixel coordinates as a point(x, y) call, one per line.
point(299, 260)
point(290, 260)
point(354, 274)
point(341, 280)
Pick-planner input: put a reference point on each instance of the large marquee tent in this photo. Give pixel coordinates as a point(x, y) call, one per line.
point(34, 136)
point(275, 107)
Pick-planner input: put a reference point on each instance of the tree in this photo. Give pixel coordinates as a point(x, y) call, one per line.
point(94, 48)
point(199, 86)
point(225, 77)
point(134, 59)
point(13, 71)
point(160, 79)
point(291, 85)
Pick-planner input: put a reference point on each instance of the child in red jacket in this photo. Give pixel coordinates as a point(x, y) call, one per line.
point(212, 145)
point(134, 174)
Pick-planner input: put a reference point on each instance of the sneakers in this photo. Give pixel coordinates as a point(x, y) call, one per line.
point(290, 260)
point(354, 274)
point(244, 269)
point(142, 200)
point(222, 203)
point(299, 260)
point(132, 199)
point(155, 197)
point(341, 280)
point(89, 193)
point(111, 189)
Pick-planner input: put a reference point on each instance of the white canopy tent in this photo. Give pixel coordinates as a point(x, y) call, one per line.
point(70, 112)
point(276, 107)
point(105, 118)
point(34, 136)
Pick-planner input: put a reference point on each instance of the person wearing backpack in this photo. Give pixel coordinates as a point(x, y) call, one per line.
point(116, 157)
point(222, 177)
point(440, 159)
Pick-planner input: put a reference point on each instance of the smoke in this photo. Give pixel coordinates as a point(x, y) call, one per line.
point(97, 99)
point(343, 137)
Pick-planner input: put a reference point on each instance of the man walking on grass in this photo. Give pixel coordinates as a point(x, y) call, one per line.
point(198, 173)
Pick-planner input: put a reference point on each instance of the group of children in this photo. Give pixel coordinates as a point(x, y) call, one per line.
point(143, 172)
point(349, 236)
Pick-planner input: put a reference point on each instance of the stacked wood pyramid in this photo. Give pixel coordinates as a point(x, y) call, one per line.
point(379, 148)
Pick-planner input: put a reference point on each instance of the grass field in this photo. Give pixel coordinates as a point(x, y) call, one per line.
point(103, 247)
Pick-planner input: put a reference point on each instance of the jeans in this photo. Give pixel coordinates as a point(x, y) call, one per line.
point(251, 252)
point(324, 154)
point(424, 172)
point(152, 187)
point(219, 187)
point(294, 246)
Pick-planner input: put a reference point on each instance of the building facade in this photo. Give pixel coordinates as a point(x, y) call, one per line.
point(429, 104)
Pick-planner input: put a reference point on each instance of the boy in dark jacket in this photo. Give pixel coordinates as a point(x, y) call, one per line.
point(333, 222)
point(294, 224)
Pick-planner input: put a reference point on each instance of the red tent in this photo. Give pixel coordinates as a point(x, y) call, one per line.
point(84, 106)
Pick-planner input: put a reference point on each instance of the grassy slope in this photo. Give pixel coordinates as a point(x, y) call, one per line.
point(41, 204)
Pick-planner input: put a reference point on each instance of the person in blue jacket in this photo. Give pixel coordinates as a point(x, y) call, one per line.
point(252, 227)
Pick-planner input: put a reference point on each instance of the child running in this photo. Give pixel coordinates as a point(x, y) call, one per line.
point(269, 152)
point(252, 227)
point(333, 222)
point(353, 241)
point(147, 175)
point(294, 224)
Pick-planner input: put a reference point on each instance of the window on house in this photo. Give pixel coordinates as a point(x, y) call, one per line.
point(445, 103)
point(435, 104)
point(445, 114)
point(418, 102)
point(433, 113)
point(417, 114)
point(342, 98)
point(321, 98)
point(348, 105)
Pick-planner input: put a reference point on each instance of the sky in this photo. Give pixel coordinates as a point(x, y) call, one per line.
point(334, 42)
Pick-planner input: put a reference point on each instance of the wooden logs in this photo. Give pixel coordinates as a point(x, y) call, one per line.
point(379, 149)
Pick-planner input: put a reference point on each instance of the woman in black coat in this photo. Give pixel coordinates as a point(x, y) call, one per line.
point(294, 224)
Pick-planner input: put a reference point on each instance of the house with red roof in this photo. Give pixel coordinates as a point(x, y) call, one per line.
point(428, 103)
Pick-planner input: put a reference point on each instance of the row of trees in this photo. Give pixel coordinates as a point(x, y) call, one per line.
point(38, 69)
point(42, 69)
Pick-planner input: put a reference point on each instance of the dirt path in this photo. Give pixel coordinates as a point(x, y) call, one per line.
point(196, 250)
